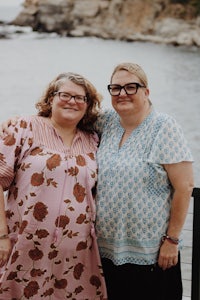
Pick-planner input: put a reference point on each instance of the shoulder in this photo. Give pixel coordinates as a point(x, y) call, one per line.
point(21, 124)
point(25, 121)
point(19, 132)
point(30, 121)
point(163, 120)
point(26, 125)
point(163, 117)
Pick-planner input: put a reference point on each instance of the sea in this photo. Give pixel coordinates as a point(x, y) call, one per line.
point(29, 60)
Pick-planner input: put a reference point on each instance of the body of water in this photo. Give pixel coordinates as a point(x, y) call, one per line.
point(30, 60)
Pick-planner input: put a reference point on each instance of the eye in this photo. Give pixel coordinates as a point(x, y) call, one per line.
point(115, 88)
point(131, 87)
point(65, 95)
point(80, 98)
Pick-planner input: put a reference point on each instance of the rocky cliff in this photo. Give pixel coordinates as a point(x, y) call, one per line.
point(161, 21)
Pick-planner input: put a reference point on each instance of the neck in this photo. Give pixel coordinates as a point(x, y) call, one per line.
point(67, 128)
point(66, 132)
point(131, 121)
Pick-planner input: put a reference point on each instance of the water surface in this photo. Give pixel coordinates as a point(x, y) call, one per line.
point(29, 61)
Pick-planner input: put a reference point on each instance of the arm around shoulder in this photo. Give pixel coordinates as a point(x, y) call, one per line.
point(4, 127)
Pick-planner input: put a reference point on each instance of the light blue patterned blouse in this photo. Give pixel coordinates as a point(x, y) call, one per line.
point(133, 192)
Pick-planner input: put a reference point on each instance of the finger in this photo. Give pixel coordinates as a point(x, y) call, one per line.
point(170, 264)
point(175, 260)
point(166, 263)
point(5, 127)
point(163, 264)
point(14, 120)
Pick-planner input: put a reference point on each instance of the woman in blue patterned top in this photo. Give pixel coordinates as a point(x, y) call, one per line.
point(144, 187)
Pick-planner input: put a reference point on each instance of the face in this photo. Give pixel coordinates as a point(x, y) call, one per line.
point(68, 112)
point(129, 104)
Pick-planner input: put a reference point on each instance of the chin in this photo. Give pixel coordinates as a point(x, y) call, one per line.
point(123, 106)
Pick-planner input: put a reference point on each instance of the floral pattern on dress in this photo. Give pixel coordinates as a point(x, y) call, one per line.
point(51, 213)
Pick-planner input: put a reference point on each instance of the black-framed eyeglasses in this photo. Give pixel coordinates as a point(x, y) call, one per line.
point(67, 97)
point(130, 88)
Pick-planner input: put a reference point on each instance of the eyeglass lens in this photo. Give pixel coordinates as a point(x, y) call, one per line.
point(129, 88)
point(67, 97)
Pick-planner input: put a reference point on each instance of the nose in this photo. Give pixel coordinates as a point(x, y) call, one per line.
point(122, 92)
point(72, 97)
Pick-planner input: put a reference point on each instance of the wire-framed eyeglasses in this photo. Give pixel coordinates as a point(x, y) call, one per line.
point(79, 99)
point(130, 88)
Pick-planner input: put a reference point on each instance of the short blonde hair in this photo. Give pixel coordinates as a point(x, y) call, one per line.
point(133, 69)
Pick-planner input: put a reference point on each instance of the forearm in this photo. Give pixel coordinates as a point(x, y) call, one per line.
point(179, 209)
point(182, 181)
point(168, 254)
point(181, 178)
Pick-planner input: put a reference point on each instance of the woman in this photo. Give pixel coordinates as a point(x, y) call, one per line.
point(145, 181)
point(48, 247)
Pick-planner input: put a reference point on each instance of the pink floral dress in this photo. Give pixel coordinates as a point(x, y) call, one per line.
point(50, 212)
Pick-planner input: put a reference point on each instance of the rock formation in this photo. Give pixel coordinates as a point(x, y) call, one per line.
point(161, 21)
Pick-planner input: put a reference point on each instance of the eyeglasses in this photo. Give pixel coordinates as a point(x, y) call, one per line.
point(129, 88)
point(79, 99)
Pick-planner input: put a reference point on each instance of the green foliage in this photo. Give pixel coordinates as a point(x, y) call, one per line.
point(193, 3)
point(196, 4)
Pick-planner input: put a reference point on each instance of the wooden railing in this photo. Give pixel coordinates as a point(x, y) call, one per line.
point(195, 282)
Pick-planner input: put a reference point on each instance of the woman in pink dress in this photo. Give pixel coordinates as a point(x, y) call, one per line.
point(48, 247)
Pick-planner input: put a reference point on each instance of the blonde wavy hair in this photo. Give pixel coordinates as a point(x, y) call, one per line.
point(93, 99)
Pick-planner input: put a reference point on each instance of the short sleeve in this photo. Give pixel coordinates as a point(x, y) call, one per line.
point(12, 149)
point(169, 145)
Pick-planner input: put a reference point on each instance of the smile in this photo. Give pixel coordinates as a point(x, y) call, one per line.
point(70, 108)
point(123, 101)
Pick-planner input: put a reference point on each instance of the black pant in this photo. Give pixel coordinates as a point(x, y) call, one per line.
point(135, 282)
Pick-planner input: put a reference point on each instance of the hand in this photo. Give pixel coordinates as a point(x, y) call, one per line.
point(168, 256)
point(4, 127)
point(5, 250)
